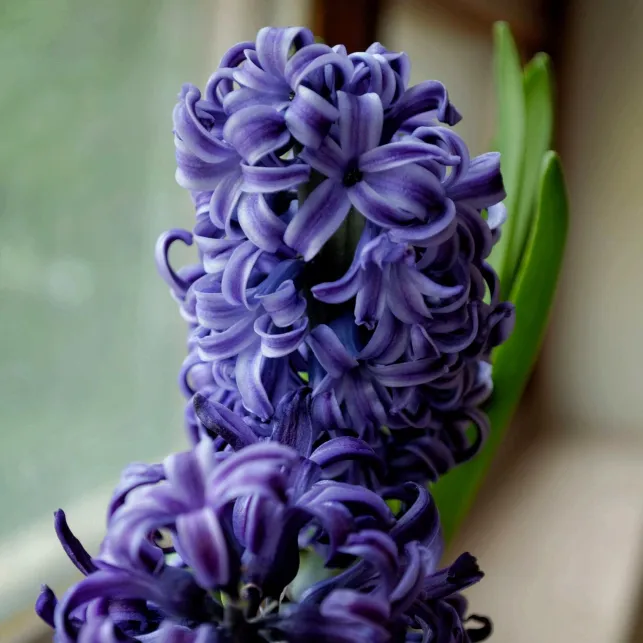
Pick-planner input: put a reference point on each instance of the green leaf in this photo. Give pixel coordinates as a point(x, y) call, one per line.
point(511, 132)
point(532, 295)
point(539, 122)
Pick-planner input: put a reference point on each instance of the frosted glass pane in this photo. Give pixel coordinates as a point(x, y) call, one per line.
point(91, 341)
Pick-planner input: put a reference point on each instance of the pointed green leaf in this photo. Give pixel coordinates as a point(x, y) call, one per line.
point(532, 295)
point(511, 131)
point(539, 122)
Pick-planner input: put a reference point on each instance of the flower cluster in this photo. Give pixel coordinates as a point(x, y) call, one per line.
point(206, 548)
point(342, 316)
point(342, 232)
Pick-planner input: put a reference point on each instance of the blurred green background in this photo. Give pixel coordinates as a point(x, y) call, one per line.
point(91, 341)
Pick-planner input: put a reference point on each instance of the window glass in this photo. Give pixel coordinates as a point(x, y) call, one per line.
point(91, 342)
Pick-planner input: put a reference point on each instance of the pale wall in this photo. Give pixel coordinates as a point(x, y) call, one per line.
point(441, 47)
point(592, 369)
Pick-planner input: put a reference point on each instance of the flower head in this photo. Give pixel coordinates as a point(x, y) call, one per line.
point(343, 232)
point(205, 546)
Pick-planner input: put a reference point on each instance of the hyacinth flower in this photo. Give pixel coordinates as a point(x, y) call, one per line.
point(205, 547)
point(343, 233)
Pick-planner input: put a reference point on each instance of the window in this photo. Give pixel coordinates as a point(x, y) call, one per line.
point(91, 342)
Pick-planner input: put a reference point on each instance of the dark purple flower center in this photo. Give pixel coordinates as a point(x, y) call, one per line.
point(352, 176)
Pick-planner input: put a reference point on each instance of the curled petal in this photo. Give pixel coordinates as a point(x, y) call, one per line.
point(285, 305)
point(193, 134)
point(317, 219)
point(377, 548)
point(405, 374)
point(329, 351)
point(276, 342)
point(342, 449)
point(173, 280)
point(274, 46)
point(327, 414)
point(186, 473)
point(225, 197)
point(362, 624)
point(46, 605)
point(101, 629)
point(482, 185)
point(463, 573)
point(496, 216)
point(420, 521)
point(259, 469)
point(363, 402)
point(375, 207)
point(481, 633)
point(120, 585)
point(220, 421)
point(430, 288)
point(215, 345)
point(405, 297)
point(256, 131)
point(449, 141)
point(439, 228)
point(72, 546)
point(410, 188)
point(250, 365)
point(134, 476)
point(234, 284)
point(426, 97)
point(273, 179)
point(250, 75)
point(501, 323)
point(398, 154)
point(476, 233)
point(260, 224)
point(461, 338)
point(388, 342)
point(328, 159)
point(194, 375)
point(215, 251)
point(368, 76)
point(345, 288)
point(360, 123)
point(371, 297)
point(337, 521)
point(410, 584)
point(331, 491)
point(243, 97)
point(212, 309)
point(204, 547)
point(310, 117)
point(193, 173)
point(361, 607)
point(305, 65)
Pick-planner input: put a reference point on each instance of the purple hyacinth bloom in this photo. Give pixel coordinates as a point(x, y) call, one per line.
point(206, 162)
point(212, 524)
point(385, 183)
point(384, 275)
point(251, 324)
point(323, 183)
point(312, 425)
point(282, 82)
point(235, 524)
